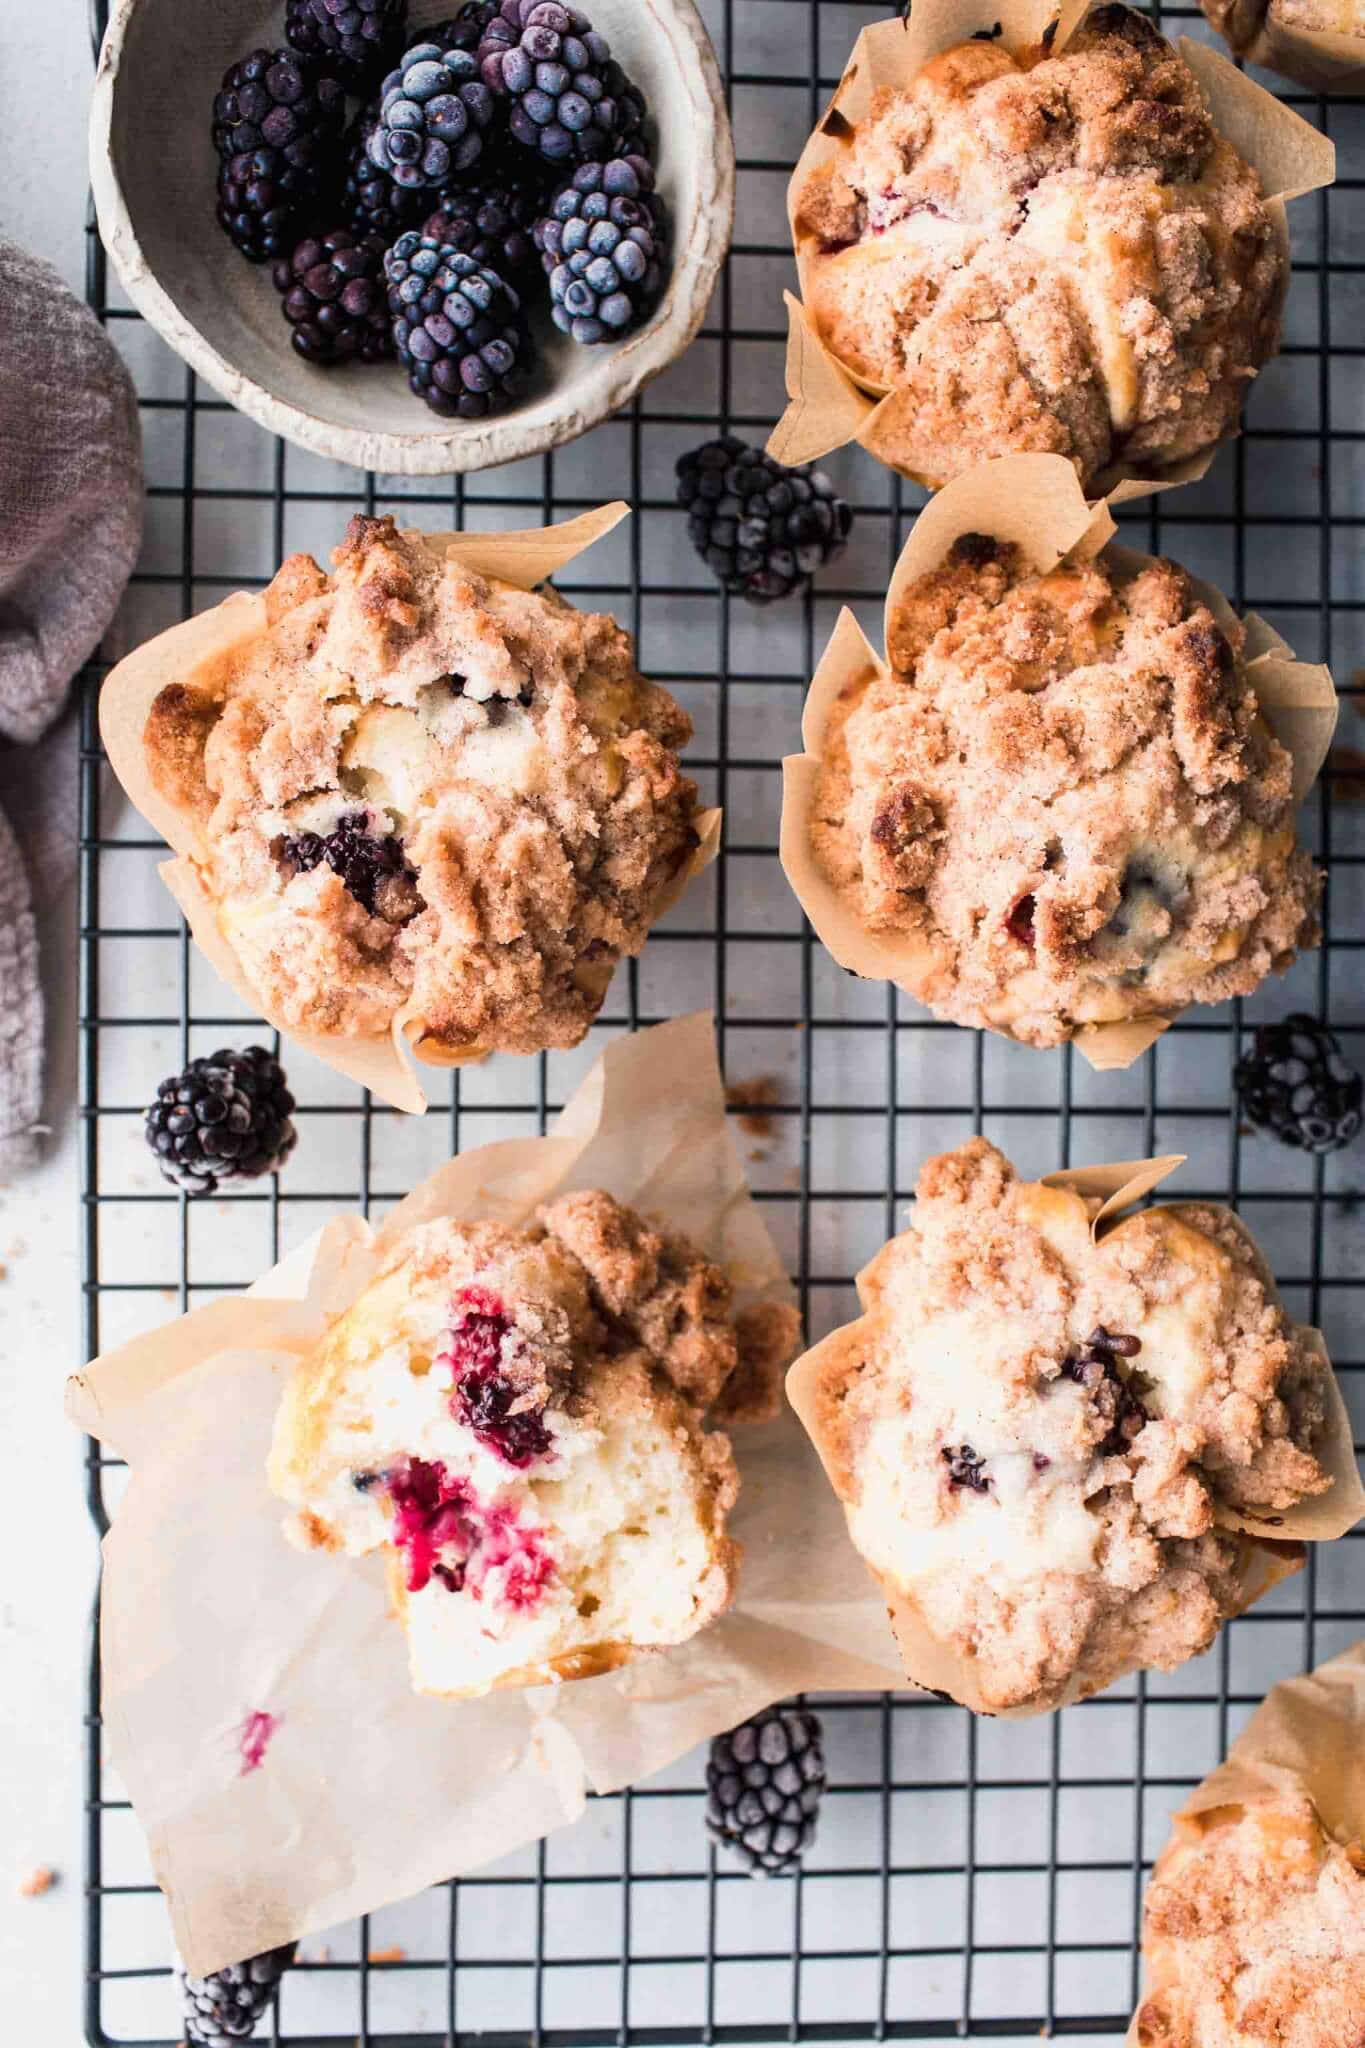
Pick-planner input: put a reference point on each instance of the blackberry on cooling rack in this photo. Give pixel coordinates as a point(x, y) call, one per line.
point(358, 39)
point(371, 201)
point(493, 221)
point(457, 327)
point(764, 1784)
point(434, 113)
point(602, 245)
point(277, 126)
point(553, 68)
point(228, 2005)
point(762, 528)
point(1295, 1084)
point(333, 294)
point(227, 1117)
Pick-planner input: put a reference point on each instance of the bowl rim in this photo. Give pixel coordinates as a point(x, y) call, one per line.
point(445, 448)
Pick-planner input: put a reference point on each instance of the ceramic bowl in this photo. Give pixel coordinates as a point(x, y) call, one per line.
point(153, 168)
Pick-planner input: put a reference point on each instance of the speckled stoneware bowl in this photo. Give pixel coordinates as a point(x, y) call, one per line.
point(153, 168)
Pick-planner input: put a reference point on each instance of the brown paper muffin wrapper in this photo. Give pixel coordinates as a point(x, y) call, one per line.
point(209, 646)
point(368, 1791)
point(1273, 1548)
point(1324, 60)
point(1305, 1740)
point(1035, 501)
point(828, 405)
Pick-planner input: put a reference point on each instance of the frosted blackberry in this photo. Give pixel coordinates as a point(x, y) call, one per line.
point(493, 221)
point(227, 1117)
point(370, 865)
point(228, 2005)
point(1295, 1084)
point(457, 327)
point(602, 245)
point(357, 39)
point(277, 126)
point(434, 113)
point(555, 71)
point(333, 295)
point(371, 201)
point(762, 528)
point(764, 1783)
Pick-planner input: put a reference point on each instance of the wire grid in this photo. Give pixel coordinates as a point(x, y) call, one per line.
point(970, 1877)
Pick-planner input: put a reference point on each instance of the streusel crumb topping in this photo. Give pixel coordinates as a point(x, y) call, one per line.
point(1064, 790)
point(1060, 256)
point(424, 789)
point(1033, 1434)
point(1254, 1933)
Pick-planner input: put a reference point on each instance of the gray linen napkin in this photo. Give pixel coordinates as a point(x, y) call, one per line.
point(70, 528)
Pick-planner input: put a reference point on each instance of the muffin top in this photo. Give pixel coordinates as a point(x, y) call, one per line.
point(1058, 255)
point(1254, 1931)
point(1033, 1434)
point(1240, 21)
point(423, 790)
point(1062, 790)
point(513, 1417)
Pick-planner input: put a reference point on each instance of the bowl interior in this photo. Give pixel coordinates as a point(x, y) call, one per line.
point(223, 314)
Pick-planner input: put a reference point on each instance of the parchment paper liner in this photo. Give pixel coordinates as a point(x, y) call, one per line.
point(828, 406)
point(210, 644)
point(1307, 1738)
point(368, 1791)
point(1325, 60)
point(1274, 1548)
point(1037, 502)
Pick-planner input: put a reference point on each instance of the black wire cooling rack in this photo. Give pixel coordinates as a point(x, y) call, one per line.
point(969, 1877)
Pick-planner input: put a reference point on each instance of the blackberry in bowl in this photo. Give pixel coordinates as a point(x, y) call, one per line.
point(221, 315)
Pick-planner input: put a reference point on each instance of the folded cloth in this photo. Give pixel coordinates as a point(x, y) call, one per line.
point(70, 528)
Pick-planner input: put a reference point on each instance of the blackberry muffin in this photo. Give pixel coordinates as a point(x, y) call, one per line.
point(1048, 253)
point(1039, 1439)
point(1061, 793)
point(421, 795)
point(1254, 1932)
point(1272, 31)
point(514, 1418)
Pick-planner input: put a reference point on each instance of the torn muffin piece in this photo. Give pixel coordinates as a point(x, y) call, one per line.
point(1253, 1931)
point(427, 792)
point(515, 1417)
point(1038, 1438)
point(1051, 253)
point(1063, 792)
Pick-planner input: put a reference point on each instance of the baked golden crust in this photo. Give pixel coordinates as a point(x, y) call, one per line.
point(1034, 1436)
point(1064, 792)
point(1059, 256)
point(501, 758)
point(515, 1418)
point(1254, 1933)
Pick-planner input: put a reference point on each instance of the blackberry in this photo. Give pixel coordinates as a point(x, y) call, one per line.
point(371, 865)
point(465, 30)
point(764, 1783)
point(333, 295)
point(602, 245)
point(457, 327)
point(371, 201)
point(1095, 1367)
point(358, 39)
point(227, 2005)
point(277, 124)
point(555, 70)
point(1295, 1084)
point(762, 528)
point(227, 1117)
point(493, 222)
point(966, 1468)
point(434, 111)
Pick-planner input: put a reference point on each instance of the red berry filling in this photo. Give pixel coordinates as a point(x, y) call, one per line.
point(483, 1395)
point(447, 1533)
